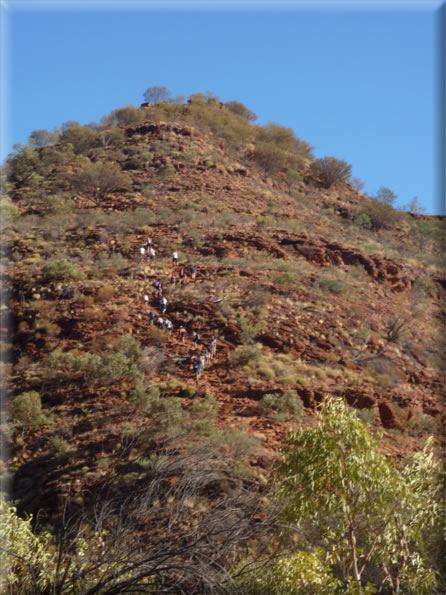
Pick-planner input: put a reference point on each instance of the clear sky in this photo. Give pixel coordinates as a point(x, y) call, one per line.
point(357, 80)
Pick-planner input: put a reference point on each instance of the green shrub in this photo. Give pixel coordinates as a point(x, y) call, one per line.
point(81, 138)
point(205, 408)
point(271, 158)
point(363, 220)
point(287, 403)
point(58, 446)
point(169, 415)
point(247, 354)
point(167, 171)
point(249, 331)
point(56, 270)
point(381, 214)
point(8, 210)
point(142, 397)
point(26, 408)
point(99, 179)
point(330, 170)
point(329, 285)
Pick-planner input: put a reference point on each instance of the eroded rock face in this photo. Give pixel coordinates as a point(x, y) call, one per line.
point(324, 253)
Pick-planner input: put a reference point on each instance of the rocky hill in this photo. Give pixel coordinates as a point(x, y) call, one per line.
point(310, 288)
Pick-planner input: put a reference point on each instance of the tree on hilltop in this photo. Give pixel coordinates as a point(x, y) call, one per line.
point(156, 94)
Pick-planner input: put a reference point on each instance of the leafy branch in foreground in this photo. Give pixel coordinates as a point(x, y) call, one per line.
point(374, 520)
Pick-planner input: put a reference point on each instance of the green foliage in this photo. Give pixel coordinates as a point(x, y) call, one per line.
point(57, 446)
point(278, 135)
point(143, 398)
point(300, 573)
point(167, 171)
point(42, 138)
point(99, 179)
point(241, 110)
point(125, 361)
point(56, 270)
point(371, 517)
point(331, 285)
point(129, 116)
point(112, 137)
point(363, 220)
point(271, 157)
point(81, 138)
point(287, 403)
point(386, 196)
point(330, 170)
point(381, 214)
point(294, 177)
point(8, 210)
point(247, 354)
point(20, 167)
point(26, 408)
point(28, 562)
point(249, 330)
point(205, 408)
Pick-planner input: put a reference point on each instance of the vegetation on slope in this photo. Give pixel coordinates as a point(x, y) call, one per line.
point(312, 289)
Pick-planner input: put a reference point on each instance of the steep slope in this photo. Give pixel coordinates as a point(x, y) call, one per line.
point(304, 300)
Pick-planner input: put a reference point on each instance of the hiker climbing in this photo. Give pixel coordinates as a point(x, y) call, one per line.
point(172, 281)
point(163, 304)
point(149, 242)
point(142, 252)
point(151, 317)
point(175, 257)
point(193, 272)
point(195, 338)
point(158, 288)
point(181, 275)
point(197, 370)
point(146, 299)
point(160, 322)
point(183, 333)
point(152, 253)
point(168, 325)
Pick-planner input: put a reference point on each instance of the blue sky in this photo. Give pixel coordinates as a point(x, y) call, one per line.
point(357, 80)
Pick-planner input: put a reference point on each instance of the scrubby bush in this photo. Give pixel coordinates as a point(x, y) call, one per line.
point(271, 157)
point(56, 270)
point(81, 138)
point(331, 285)
point(247, 354)
point(167, 171)
point(26, 408)
point(240, 110)
point(330, 170)
point(381, 214)
point(99, 179)
point(57, 446)
point(8, 210)
point(363, 220)
point(128, 116)
point(143, 397)
point(287, 403)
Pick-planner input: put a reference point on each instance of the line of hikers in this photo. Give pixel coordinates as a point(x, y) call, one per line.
point(199, 363)
point(182, 272)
